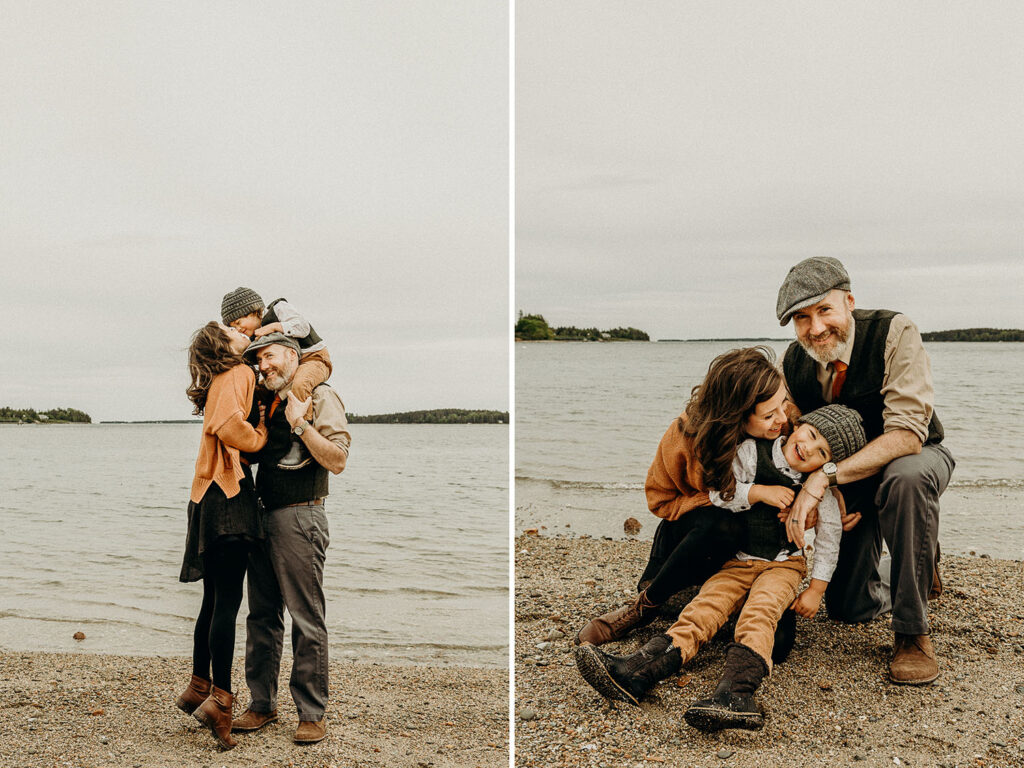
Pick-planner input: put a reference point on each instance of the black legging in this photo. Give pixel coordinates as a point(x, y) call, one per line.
point(213, 642)
point(687, 551)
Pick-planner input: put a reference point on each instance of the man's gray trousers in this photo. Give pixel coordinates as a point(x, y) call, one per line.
point(287, 571)
point(901, 505)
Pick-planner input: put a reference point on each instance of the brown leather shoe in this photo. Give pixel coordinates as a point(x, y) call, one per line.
point(618, 623)
point(215, 714)
point(310, 731)
point(936, 589)
point(253, 720)
point(913, 660)
point(196, 693)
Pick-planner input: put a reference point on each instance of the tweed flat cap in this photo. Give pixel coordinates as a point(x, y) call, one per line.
point(239, 303)
point(840, 426)
point(808, 283)
point(266, 341)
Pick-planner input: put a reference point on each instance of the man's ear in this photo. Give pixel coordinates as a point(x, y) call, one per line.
point(850, 302)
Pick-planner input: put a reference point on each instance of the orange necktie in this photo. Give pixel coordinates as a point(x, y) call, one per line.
point(839, 367)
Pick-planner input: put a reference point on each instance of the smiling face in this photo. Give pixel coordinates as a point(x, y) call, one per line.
point(277, 364)
point(768, 417)
point(247, 324)
point(823, 328)
point(806, 450)
point(236, 339)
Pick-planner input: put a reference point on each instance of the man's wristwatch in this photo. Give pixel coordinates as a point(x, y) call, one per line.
point(299, 428)
point(830, 470)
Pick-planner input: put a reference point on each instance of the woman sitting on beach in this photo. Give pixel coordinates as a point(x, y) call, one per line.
point(223, 515)
point(743, 395)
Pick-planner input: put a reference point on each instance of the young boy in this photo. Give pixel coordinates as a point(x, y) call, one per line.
point(243, 309)
point(763, 578)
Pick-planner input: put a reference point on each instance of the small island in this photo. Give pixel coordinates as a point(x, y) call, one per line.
point(436, 416)
point(52, 416)
point(975, 334)
point(536, 328)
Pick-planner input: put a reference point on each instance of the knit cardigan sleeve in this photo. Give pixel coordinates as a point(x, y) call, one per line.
point(674, 485)
point(227, 406)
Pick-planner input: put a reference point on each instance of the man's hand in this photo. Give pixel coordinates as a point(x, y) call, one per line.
point(295, 410)
point(809, 601)
point(777, 495)
point(814, 490)
point(263, 330)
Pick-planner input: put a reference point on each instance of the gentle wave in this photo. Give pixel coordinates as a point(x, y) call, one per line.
point(583, 485)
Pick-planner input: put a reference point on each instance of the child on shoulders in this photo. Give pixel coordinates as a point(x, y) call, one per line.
point(244, 310)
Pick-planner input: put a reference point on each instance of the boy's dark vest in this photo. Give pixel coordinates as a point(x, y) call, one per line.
point(862, 389)
point(765, 534)
point(280, 487)
point(270, 316)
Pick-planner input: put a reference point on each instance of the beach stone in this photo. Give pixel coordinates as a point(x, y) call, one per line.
point(527, 714)
point(79, 636)
point(631, 526)
point(543, 646)
point(725, 754)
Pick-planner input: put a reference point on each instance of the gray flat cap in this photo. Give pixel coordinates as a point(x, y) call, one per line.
point(266, 341)
point(808, 283)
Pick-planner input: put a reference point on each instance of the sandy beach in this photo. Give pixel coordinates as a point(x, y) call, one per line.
point(84, 710)
point(830, 704)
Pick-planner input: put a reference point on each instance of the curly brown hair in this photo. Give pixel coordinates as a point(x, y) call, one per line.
point(735, 383)
point(209, 354)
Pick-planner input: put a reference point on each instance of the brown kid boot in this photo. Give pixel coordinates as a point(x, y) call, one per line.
point(913, 660)
point(617, 624)
point(196, 693)
point(215, 714)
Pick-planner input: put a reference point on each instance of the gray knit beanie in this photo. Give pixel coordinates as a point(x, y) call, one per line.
point(809, 282)
point(841, 428)
point(239, 303)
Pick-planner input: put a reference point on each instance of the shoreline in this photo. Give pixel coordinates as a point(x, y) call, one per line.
point(830, 703)
point(87, 709)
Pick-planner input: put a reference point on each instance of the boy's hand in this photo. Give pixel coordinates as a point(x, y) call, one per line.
point(809, 601)
point(777, 495)
point(263, 330)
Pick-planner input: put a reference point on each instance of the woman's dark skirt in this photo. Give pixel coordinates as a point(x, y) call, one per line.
point(216, 517)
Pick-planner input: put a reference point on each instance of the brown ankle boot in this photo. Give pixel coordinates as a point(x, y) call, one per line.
point(196, 693)
point(619, 622)
point(215, 714)
point(913, 660)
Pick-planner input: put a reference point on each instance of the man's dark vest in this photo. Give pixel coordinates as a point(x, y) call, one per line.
point(280, 487)
point(862, 389)
point(271, 317)
point(765, 534)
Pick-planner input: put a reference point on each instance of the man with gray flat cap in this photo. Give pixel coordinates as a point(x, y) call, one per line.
point(874, 362)
point(287, 571)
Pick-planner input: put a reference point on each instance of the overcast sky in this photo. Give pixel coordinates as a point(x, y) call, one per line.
point(350, 156)
point(675, 159)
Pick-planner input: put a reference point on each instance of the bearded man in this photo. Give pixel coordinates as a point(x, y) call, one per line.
point(874, 362)
point(287, 571)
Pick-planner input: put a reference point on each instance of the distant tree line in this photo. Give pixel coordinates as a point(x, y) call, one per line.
point(436, 416)
point(536, 328)
point(976, 334)
point(31, 416)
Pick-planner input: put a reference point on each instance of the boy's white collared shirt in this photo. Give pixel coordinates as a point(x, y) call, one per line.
point(829, 529)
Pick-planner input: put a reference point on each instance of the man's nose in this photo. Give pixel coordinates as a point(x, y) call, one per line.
point(817, 326)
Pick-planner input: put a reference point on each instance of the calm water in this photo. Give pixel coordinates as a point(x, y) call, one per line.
point(93, 525)
point(589, 417)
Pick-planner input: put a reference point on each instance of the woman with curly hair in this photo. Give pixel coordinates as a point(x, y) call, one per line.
point(743, 395)
point(223, 515)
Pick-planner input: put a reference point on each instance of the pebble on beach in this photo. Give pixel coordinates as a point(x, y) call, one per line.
point(830, 703)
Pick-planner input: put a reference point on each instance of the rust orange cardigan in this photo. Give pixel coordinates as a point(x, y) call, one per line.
point(674, 485)
point(226, 433)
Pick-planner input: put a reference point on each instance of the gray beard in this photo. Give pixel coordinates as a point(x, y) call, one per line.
point(836, 352)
